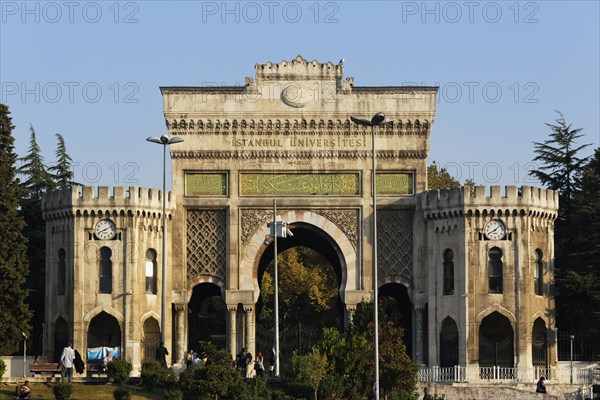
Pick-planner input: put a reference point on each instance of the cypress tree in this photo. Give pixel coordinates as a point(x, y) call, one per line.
point(14, 313)
point(61, 172)
point(37, 181)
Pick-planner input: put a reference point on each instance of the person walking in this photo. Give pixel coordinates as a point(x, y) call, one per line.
point(259, 365)
point(66, 360)
point(161, 355)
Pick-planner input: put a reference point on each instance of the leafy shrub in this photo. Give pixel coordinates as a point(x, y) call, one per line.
point(151, 373)
point(168, 379)
point(217, 379)
point(173, 394)
point(122, 393)
point(2, 368)
point(397, 394)
point(119, 370)
point(62, 391)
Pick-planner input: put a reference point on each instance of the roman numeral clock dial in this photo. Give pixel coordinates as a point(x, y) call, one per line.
point(105, 229)
point(495, 230)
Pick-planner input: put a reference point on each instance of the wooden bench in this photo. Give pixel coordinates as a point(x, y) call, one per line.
point(45, 368)
point(95, 367)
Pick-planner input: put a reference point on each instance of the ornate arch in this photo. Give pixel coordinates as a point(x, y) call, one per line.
point(502, 310)
point(107, 309)
point(198, 279)
point(253, 249)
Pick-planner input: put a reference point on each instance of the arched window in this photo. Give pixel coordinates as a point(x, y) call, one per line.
point(105, 270)
point(62, 272)
point(538, 273)
point(448, 272)
point(151, 271)
point(495, 270)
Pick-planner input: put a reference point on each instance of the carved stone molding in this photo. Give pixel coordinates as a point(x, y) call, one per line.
point(206, 243)
point(251, 220)
point(395, 243)
point(298, 154)
point(345, 220)
point(398, 126)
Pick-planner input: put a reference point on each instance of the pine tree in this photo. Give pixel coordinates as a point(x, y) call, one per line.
point(560, 164)
point(37, 181)
point(560, 167)
point(14, 313)
point(62, 172)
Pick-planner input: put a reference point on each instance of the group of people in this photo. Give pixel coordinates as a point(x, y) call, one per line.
point(196, 359)
point(249, 366)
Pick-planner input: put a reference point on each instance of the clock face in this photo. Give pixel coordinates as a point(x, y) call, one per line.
point(105, 229)
point(495, 230)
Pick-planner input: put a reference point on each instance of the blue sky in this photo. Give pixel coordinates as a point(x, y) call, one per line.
point(91, 71)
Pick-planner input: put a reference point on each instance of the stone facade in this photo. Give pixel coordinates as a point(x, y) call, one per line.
point(287, 134)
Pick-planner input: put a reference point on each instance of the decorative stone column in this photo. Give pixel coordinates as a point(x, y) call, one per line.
point(349, 315)
point(232, 329)
point(419, 309)
point(179, 356)
point(249, 315)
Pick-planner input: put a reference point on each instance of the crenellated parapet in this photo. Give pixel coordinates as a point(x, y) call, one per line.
point(476, 200)
point(88, 200)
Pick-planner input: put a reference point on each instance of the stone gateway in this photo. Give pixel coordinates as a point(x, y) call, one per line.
point(471, 267)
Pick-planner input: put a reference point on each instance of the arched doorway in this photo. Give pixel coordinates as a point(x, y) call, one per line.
point(496, 341)
point(539, 344)
point(309, 263)
point(395, 304)
point(448, 343)
point(104, 331)
point(61, 338)
point(207, 313)
point(151, 339)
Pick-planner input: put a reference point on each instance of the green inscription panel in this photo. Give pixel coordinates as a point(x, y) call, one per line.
point(199, 184)
point(345, 184)
point(395, 183)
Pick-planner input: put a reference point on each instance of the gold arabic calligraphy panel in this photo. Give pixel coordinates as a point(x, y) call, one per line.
point(395, 183)
point(198, 184)
point(298, 184)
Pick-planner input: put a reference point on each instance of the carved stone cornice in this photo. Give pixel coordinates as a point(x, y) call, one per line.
point(418, 125)
point(297, 154)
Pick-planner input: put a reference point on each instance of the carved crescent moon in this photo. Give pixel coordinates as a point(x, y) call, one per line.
point(296, 96)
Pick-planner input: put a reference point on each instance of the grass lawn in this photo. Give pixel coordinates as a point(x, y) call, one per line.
point(81, 391)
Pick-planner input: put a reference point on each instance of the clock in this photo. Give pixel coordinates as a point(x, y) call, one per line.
point(495, 230)
point(105, 229)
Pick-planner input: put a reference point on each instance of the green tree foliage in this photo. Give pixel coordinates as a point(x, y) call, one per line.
point(217, 379)
point(310, 369)
point(576, 178)
point(62, 173)
point(397, 371)
point(119, 370)
point(37, 178)
point(559, 160)
point(440, 178)
point(578, 281)
point(14, 313)
point(37, 181)
point(307, 287)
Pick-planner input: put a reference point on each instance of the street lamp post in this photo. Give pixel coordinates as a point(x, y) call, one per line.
point(164, 140)
point(278, 229)
point(375, 121)
point(572, 337)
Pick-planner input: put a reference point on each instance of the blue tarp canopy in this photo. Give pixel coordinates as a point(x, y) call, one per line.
point(98, 353)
